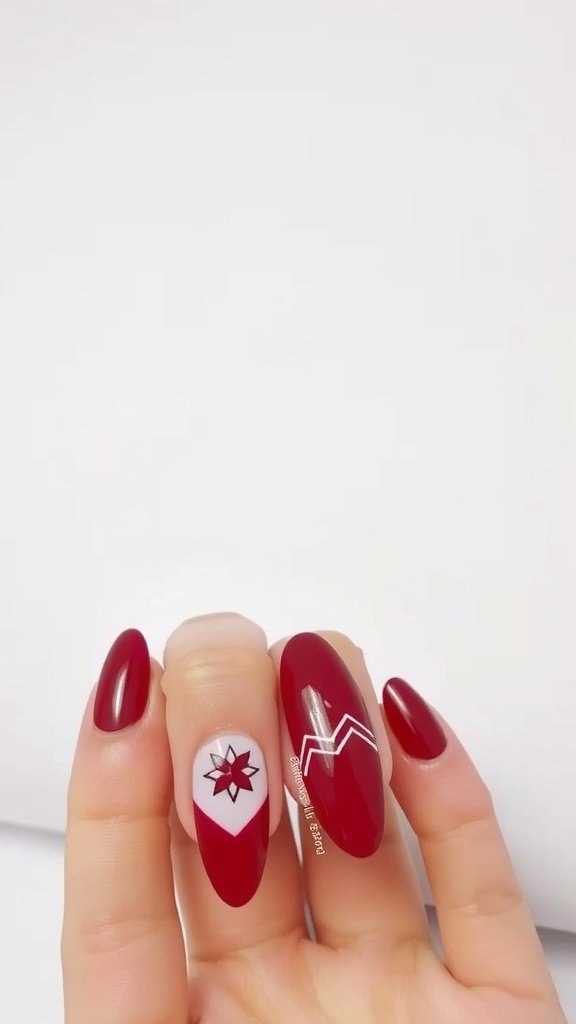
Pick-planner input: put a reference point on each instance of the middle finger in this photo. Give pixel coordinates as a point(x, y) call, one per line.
point(222, 724)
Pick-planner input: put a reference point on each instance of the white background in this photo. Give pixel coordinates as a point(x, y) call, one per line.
point(287, 326)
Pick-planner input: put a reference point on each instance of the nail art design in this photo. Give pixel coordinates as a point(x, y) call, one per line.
point(231, 773)
point(124, 684)
point(332, 734)
point(332, 746)
point(231, 812)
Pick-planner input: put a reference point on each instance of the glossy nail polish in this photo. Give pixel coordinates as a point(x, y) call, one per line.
point(124, 684)
point(412, 722)
point(332, 736)
point(231, 813)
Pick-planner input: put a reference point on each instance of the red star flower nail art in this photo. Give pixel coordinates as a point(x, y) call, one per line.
point(232, 833)
point(231, 773)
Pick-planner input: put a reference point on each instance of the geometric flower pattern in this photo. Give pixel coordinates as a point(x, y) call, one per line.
point(231, 773)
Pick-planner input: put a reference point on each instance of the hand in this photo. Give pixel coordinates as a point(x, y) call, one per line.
point(161, 787)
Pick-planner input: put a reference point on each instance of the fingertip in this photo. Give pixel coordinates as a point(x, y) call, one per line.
point(214, 630)
point(122, 758)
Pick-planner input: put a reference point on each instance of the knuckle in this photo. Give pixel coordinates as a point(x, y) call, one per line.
point(111, 821)
point(492, 899)
point(464, 820)
point(470, 835)
point(115, 932)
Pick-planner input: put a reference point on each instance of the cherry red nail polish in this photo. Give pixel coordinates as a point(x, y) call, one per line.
point(122, 691)
point(332, 736)
point(412, 721)
point(231, 813)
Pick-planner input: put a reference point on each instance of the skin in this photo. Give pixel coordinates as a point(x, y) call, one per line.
point(131, 842)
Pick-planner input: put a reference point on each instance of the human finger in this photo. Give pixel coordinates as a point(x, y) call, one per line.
point(360, 882)
point(487, 931)
point(223, 726)
point(122, 945)
point(213, 930)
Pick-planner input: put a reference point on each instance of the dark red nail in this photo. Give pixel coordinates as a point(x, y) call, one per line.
point(412, 721)
point(122, 692)
point(230, 795)
point(332, 736)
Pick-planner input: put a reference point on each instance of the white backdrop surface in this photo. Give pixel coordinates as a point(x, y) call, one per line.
point(287, 326)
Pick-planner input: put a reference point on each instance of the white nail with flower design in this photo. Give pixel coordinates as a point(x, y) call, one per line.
point(229, 780)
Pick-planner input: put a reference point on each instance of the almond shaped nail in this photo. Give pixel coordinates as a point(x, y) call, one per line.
point(412, 722)
point(231, 813)
point(124, 683)
point(332, 736)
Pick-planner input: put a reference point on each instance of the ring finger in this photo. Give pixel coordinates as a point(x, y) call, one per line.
point(343, 758)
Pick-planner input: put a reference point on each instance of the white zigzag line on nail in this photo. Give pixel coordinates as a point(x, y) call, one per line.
point(367, 735)
point(332, 739)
